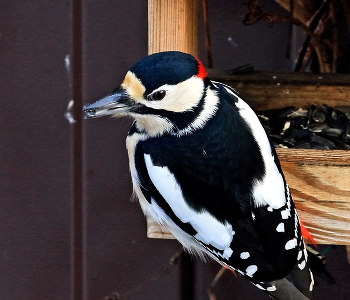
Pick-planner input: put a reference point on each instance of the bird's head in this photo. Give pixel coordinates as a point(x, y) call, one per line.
point(163, 92)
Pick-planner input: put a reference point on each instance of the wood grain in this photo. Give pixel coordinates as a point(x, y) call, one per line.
point(173, 25)
point(267, 90)
point(320, 185)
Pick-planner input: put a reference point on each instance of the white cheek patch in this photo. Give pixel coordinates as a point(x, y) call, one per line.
point(181, 97)
point(209, 230)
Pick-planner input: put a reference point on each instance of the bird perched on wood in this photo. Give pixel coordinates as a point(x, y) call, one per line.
point(203, 167)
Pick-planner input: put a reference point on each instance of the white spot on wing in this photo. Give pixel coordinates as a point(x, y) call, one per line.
point(209, 229)
point(291, 244)
point(280, 227)
point(302, 265)
point(250, 271)
point(271, 288)
point(228, 252)
point(300, 254)
point(285, 213)
point(245, 255)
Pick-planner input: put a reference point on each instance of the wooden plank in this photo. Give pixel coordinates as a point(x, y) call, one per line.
point(284, 78)
point(320, 185)
point(173, 25)
point(267, 90)
point(268, 97)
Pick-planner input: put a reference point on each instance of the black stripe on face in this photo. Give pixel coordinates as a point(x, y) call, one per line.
point(180, 120)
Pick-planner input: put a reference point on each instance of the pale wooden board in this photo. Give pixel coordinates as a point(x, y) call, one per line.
point(320, 185)
point(173, 25)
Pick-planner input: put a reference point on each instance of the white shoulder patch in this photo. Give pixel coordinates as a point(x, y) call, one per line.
point(209, 229)
point(271, 189)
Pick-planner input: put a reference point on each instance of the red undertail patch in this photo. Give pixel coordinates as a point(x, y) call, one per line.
point(306, 234)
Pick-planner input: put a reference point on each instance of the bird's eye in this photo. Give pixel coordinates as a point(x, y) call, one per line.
point(159, 95)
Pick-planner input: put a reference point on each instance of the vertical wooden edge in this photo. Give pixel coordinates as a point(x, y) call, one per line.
point(173, 25)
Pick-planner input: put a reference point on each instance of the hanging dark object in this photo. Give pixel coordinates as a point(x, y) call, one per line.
point(290, 28)
point(312, 27)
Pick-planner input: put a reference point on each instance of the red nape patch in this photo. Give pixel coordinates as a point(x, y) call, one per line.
point(202, 72)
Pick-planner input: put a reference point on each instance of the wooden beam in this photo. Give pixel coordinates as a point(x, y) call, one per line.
point(173, 25)
point(267, 90)
point(319, 182)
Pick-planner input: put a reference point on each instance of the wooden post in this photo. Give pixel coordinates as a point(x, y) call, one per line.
point(172, 25)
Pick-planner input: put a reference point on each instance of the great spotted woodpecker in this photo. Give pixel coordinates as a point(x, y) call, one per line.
point(202, 166)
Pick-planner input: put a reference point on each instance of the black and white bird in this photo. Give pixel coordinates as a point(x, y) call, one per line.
point(203, 167)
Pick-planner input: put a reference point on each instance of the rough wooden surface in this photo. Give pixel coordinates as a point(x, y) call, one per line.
point(269, 78)
point(266, 90)
point(320, 184)
point(173, 25)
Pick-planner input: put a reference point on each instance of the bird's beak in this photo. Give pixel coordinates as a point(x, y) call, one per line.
point(113, 104)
